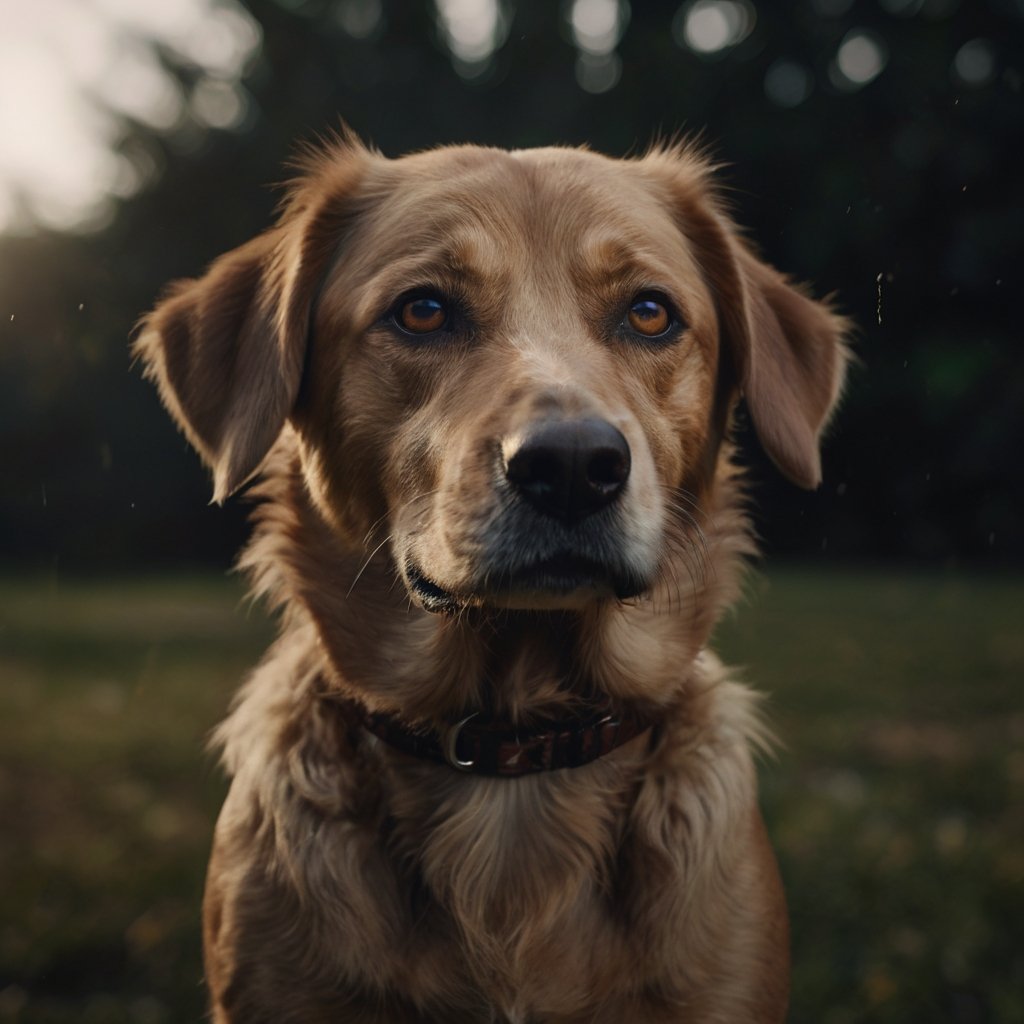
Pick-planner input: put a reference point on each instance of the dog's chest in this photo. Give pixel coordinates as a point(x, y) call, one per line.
point(513, 891)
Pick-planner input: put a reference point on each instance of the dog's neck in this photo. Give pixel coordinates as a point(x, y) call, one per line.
point(517, 666)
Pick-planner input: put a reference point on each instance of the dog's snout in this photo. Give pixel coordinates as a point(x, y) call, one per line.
point(568, 469)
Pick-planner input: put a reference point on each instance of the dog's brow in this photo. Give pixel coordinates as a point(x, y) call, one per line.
point(464, 258)
point(456, 264)
point(616, 264)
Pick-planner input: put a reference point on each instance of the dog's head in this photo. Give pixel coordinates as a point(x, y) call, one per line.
point(519, 367)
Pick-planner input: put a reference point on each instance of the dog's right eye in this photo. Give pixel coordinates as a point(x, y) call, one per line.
point(421, 314)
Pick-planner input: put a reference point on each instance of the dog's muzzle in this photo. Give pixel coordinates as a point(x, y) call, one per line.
point(559, 539)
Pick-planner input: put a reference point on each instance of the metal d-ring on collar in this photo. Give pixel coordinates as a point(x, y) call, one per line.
point(501, 750)
point(450, 745)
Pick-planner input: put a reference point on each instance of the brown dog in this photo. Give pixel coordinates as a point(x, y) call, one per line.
point(490, 771)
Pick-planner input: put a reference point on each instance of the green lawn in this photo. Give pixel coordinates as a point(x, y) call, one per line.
point(896, 800)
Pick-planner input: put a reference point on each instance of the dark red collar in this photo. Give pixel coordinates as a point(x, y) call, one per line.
point(497, 748)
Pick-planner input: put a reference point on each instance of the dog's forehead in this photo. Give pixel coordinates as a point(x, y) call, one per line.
point(555, 201)
point(531, 187)
point(534, 175)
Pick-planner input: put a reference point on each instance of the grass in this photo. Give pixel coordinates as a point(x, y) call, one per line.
point(896, 805)
point(108, 692)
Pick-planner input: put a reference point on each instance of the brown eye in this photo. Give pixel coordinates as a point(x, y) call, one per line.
point(649, 317)
point(422, 315)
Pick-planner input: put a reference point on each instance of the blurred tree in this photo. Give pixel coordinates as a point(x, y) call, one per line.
point(869, 149)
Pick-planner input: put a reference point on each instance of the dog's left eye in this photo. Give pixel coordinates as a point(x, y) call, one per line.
point(650, 316)
point(421, 314)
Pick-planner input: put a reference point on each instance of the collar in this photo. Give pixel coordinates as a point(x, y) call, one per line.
point(499, 748)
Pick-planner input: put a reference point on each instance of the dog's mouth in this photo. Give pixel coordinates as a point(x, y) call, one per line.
point(560, 581)
point(428, 593)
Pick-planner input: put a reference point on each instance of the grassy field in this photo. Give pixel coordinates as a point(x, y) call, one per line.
point(896, 802)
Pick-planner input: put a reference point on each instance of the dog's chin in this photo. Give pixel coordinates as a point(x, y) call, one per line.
point(561, 583)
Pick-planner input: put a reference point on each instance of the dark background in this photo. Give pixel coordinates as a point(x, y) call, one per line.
point(904, 197)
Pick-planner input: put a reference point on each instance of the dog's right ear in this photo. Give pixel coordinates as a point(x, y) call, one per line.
point(782, 350)
point(227, 350)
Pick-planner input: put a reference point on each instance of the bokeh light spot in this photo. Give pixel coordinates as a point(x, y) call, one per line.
point(597, 73)
point(788, 84)
point(710, 26)
point(975, 63)
point(219, 104)
point(361, 19)
point(472, 30)
point(861, 58)
point(597, 27)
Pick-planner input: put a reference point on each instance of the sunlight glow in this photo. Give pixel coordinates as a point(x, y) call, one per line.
point(71, 71)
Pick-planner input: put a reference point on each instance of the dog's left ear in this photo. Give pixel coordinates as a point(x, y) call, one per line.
point(790, 356)
point(783, 350)
point(227, 350)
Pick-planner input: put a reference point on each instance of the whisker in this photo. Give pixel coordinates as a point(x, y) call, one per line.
point(689, 519)
point(687, 550)
point(405, 504)
point(690, 498)
point(373, 527)
point(369, 534)
point(686, 553)
point(362, 568)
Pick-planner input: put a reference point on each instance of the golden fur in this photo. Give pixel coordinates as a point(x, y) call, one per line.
point(352, 882)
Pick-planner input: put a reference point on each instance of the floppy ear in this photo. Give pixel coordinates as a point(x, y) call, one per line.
point(791, 359)
point(782, 349)
point(227, 350)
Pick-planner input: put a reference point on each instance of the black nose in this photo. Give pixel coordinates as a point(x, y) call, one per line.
point(569, 469)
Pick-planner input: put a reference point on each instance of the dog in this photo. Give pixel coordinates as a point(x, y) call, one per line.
point(490, 770)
